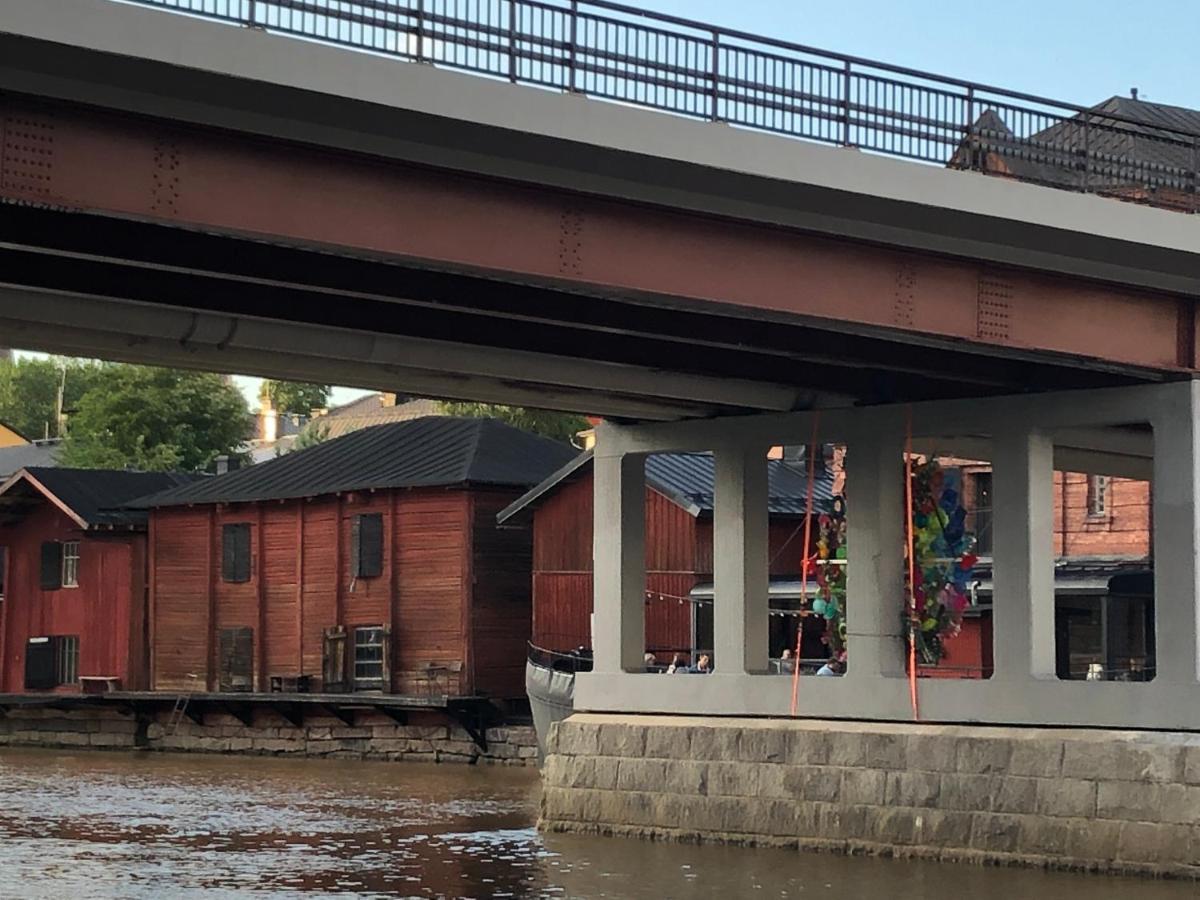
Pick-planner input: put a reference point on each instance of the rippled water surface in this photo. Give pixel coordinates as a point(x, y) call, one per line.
point(152, 825)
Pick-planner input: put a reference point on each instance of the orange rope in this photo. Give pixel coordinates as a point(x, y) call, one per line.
point(805, 558)
point(912, 581)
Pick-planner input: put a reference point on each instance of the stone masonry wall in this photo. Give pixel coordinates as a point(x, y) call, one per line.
point(428, 737)
point(1096, 800)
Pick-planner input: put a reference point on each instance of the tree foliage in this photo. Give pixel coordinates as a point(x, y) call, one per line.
point(295, 396)
point(315, 432)
point(557, 425)
point(155, 420)
point(29, 391)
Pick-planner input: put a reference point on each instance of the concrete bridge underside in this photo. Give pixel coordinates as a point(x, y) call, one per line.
point(183, 192)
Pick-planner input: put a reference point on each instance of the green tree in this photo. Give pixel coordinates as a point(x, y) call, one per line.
point(156, 420)
point(557, 425)
point(315, 432)
point(29, 391)
point(295, 396)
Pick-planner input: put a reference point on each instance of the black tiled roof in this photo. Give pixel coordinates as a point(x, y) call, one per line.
point(688, 478)
point(1135, 136)
point(435, 451)
point(97, 496)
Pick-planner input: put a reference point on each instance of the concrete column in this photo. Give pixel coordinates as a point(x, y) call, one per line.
point(1023, 555)
point(1176, 488)
point(740, 580)
point(619, 561)
point(875, 554)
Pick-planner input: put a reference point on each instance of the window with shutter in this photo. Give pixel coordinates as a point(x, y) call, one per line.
point(366, 545)
point(51, 566)
point(235, 552)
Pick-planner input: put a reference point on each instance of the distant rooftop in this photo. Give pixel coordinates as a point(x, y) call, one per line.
point(22, 456)
point(687, 479)
point(93, 497)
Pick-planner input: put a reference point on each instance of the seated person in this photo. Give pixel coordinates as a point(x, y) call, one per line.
point(833, 667)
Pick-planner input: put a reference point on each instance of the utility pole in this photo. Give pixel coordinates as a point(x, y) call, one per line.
point(59, 418)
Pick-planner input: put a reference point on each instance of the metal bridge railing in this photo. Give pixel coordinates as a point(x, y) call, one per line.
point(616, 52)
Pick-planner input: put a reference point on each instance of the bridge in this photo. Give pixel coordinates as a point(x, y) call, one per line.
point(579, 206)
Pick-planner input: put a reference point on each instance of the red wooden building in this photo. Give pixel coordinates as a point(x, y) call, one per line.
point(369, 562)
point(73, 578)
point(679, 552)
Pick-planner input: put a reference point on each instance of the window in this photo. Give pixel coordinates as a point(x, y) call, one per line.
point(1097, 495)
point(370, 657)
point(70, 564)
point(235, 552)
point(51, 661)
point(366, 546)
point(67, 658)
point(60, 565)
point(983, 513)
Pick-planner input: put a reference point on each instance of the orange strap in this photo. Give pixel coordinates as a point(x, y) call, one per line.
point(805, 557)
point(912, 568)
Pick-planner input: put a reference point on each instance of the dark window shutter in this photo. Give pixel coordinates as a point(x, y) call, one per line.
point(366, 545)
point(51, 566)
point(235, 552)
point(40, 672)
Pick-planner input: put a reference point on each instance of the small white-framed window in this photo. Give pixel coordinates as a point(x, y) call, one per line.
point(1097, 496)
point(70, 564)
point(67, 659)
point(370, 657)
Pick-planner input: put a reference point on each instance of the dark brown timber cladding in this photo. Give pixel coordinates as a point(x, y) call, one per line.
point(501, 620)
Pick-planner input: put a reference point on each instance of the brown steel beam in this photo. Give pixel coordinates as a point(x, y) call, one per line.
point(119, 165)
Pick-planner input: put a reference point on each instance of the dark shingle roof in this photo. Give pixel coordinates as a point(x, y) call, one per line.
point(98, 496)
point(687, 479)
point(435, 451)
point(1133, 143)
point(22, 456)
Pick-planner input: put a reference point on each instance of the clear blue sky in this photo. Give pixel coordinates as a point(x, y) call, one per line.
point(1069, 50)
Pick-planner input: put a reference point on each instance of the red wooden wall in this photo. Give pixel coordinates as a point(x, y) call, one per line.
point(454, 590)
point(679, 555)
point(106, 611)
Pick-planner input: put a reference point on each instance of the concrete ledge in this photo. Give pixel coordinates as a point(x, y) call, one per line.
point(429, 737)
point(1088, 800)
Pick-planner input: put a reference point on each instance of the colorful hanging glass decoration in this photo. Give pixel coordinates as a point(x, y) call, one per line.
point(944, 561)
point(830, 574)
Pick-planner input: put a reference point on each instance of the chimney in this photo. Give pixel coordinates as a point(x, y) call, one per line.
point(224, 464)
point(387, 399)
point(268, 421)
point(1133, 93)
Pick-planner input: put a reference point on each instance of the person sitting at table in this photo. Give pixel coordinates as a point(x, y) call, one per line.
point(703, 665)
point(832, 667)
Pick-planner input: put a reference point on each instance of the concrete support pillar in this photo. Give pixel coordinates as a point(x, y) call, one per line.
point(1176, 489)
point(875, 553)
point(740, 579)
point(619, 560)
point(1023, 555)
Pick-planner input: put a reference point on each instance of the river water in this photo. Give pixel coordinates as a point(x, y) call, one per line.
point(92, 825)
